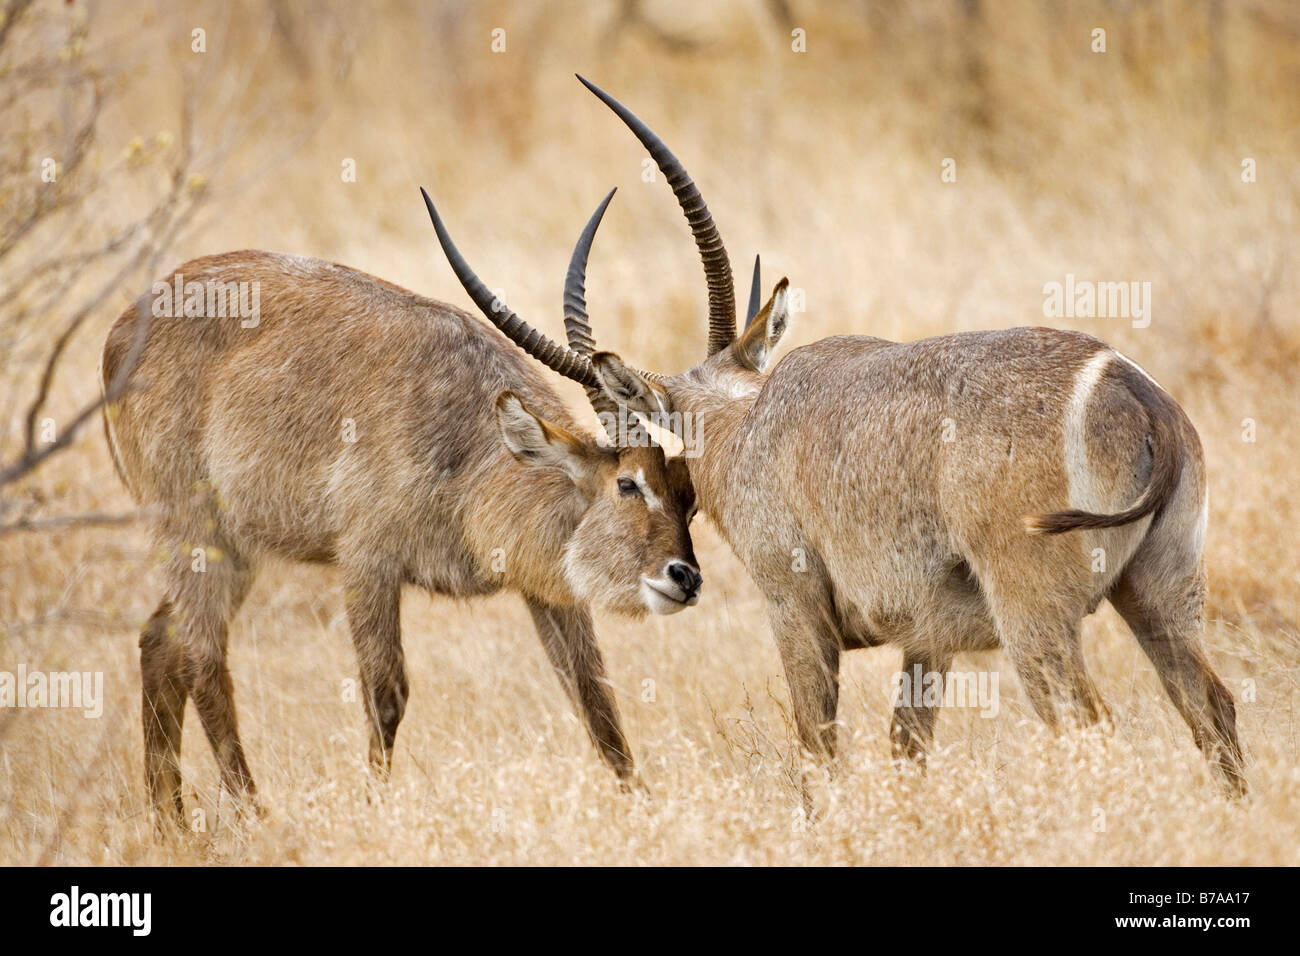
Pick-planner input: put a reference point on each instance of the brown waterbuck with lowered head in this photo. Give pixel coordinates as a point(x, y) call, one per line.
point(959, 493)
point(404, 442)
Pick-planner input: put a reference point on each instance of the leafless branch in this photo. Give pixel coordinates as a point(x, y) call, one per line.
point(94, 519)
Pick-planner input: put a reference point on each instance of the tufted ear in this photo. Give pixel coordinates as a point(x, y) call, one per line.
point(629, 387)
point(756, 344)
point(535, 441)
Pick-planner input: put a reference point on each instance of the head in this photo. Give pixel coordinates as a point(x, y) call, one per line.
point(737, 370)
point(631, 550)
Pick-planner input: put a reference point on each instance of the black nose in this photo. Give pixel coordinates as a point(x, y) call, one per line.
point(685, 576)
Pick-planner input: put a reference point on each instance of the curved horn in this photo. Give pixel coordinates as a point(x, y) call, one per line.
point(567, 363)
point(755, 297)
point(577, 328)
point(717, 269)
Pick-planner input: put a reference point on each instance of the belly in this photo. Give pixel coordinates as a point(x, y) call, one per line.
point(922, 607)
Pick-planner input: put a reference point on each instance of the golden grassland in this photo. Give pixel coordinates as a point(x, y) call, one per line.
point(1118, 166)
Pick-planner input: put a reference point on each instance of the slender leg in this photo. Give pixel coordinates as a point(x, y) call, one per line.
point(163, 691)
point(911, 727)
point(1169, 632)
point(374, 614)
point(204, 603)
point(1037, 593)
point(810, 655)
point(1045, 648)
point(569, 638)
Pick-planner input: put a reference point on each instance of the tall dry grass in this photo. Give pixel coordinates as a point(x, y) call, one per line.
point(1124, 166)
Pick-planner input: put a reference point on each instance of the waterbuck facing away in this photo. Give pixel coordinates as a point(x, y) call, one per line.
point(959, 493)
point(401, 440)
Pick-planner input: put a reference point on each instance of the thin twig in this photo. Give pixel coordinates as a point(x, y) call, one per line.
point(92, 519)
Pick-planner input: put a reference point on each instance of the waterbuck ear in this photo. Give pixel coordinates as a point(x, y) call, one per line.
point(628, 387)
point(759, 340)
point(535, 441)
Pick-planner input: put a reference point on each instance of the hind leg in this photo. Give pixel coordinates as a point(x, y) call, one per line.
point(1040, 633)
point(164, 689)
point(1166, 616)
point(911, 727)
point(207, 591)
point(1037, 591)
point(1045, 649)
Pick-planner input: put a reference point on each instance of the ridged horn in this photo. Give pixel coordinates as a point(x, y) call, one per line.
point(577, 327)
point(567, 363)
point(717, 269)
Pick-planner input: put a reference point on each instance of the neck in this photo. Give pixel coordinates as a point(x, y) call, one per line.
point(523, 527)
point(718, 408)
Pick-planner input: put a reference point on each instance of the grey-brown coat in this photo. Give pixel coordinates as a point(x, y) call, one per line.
point(403, 441)
point(918, 494)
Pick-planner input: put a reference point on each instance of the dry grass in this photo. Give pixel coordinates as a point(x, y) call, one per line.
point(1120, 166)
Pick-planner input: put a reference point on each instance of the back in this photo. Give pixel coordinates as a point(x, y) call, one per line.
point(345, 389)
point(934, 451)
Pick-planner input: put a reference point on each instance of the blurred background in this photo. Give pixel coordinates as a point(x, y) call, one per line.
point(138, 135)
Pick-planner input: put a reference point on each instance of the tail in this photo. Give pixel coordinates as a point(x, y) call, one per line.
point(107, 411)
point(1166, 468)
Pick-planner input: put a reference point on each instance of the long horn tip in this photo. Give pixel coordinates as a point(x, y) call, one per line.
point(604, 97)
point(589, 233)
point(428, 204)
point(599, 214)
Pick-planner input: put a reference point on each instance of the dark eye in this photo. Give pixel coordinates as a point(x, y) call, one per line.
point(627, 486)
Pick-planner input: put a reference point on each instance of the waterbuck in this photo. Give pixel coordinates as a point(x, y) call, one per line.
point(958, 493)
point(401, 440)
